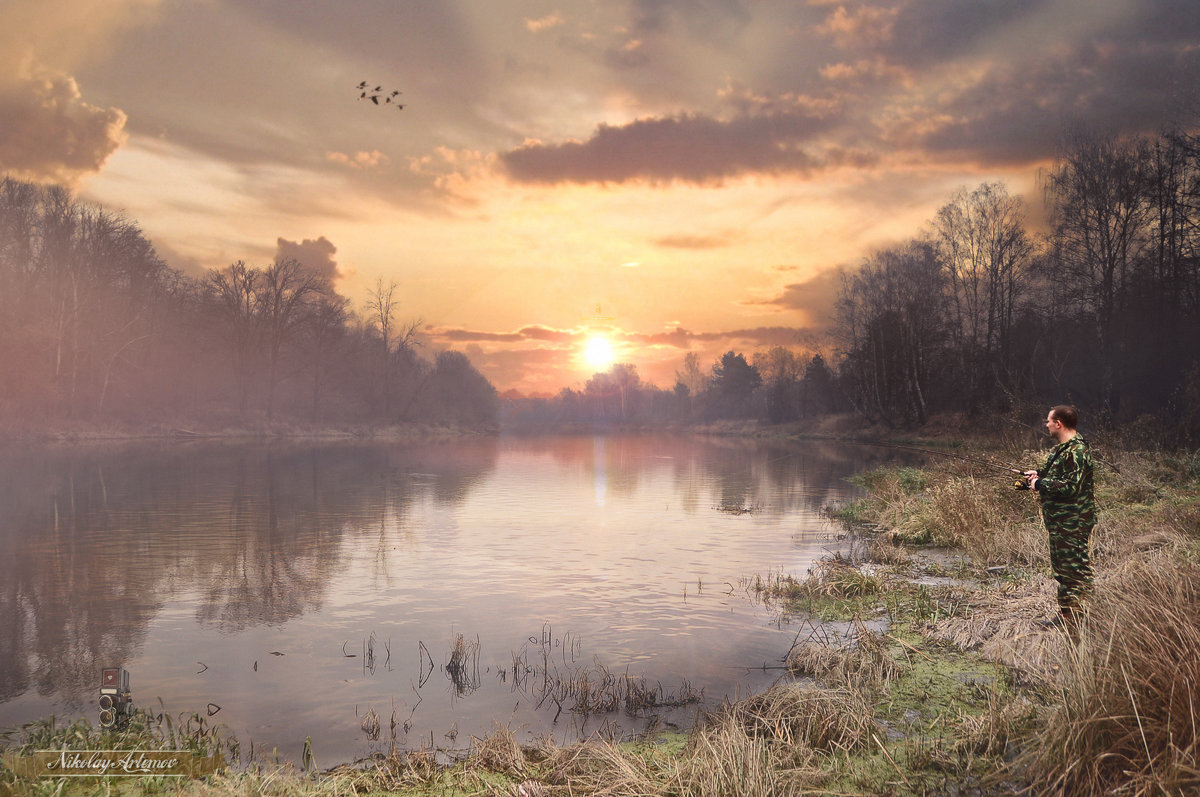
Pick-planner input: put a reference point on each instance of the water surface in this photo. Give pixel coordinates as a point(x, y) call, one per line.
point(300, 587)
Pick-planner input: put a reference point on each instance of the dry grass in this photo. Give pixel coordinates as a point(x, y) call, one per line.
point(832, 577)
point(1129, 713)
point(500, 752)
point(862, 663)
point(884, 551)
point(772, 743)
point(986, 518)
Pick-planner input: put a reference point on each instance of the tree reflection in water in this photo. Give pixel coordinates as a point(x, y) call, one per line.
point(94, 539)
point(282, 567)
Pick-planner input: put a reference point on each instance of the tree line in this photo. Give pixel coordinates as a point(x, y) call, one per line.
point(95, 327)
point(980, 315)
point(981, 312)
point(985, 314)
point(777, 385)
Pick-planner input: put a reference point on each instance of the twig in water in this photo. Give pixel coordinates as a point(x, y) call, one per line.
point(910, 647)
point(202, 664)
point(891, 760)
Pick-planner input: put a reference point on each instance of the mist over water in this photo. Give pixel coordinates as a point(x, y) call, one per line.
point(302, 587)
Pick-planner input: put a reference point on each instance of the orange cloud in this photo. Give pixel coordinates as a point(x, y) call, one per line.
point(359, 160)
point(50, 134)
point(866, 26)
point(544, 23)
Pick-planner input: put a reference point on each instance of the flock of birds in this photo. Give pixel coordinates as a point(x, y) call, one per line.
point(375, 94)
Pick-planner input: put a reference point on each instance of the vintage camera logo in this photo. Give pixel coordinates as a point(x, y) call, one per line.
point(116, 708)
point(116, 701)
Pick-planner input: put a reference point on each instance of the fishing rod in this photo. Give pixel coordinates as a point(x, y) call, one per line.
point(1005, 467)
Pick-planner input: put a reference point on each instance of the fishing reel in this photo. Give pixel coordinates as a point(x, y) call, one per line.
point(1022, 482)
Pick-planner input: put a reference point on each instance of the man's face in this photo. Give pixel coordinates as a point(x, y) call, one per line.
point(1053, 427)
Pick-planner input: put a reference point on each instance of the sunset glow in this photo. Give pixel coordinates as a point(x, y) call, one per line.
point(701, 171)
point(598, 353)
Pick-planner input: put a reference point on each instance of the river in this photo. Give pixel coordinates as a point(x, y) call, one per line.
point(299, 590)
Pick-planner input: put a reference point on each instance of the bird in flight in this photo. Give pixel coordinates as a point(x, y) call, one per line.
point(375, 94)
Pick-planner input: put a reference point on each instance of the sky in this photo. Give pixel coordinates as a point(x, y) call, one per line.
point(664, 176)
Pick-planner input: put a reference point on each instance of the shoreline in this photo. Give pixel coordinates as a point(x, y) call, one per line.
point(927, 672)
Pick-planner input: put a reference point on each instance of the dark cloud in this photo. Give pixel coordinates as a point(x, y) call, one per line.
point(532, 332)
point(317, 256)
point(714, 241)
point(757, 336)
point(939, 31)
point(688, 148)
point(49, 133)
point(702, 18)
point(1043, 69)
point(1016, 118)
point(655, 29)
point(814, 298)
point(934, 31)
point(678, 337)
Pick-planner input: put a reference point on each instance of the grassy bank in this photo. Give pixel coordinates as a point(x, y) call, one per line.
point(919, 667)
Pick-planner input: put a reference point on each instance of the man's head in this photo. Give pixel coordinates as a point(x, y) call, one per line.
point(1061, 421)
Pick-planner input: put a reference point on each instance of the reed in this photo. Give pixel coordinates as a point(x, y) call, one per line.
point(462, 666)
point(862, 662)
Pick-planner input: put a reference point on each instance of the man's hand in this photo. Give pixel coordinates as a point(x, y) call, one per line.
point(1031, 476)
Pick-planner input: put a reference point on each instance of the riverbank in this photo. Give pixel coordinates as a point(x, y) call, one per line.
point(90, 433)
point(919, 666)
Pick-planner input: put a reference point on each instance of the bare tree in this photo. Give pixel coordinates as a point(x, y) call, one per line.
point(283, 301)
point(324, 330)
point(233, 294)
point(890, 319)
point(1097, 195)
point(985, 250)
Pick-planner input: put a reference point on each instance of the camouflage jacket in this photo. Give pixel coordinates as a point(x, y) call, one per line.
point(1065, 485)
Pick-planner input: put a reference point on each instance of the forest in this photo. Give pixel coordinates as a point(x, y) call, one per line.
point(96, 328)
point(984, 312)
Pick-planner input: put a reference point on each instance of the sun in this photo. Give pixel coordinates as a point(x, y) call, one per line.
point(598, 353)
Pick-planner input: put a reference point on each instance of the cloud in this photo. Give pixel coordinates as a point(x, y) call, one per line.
point(359, 160)
point(1006, 118)
point(756, 336)
point(814, 299)
point(50, 134)
point(688, 147)
point(540, 24)
point(533, 332)
point(864, 27)
point(865, 71)
point(704, 19)
point(684, 241)
point(676, 337)
point(534, 358)
point(317, 256)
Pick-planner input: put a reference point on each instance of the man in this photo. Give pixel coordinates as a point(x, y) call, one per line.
point(1065, 488)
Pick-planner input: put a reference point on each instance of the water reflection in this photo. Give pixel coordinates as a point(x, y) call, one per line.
point(313, 581)
point(93, 540)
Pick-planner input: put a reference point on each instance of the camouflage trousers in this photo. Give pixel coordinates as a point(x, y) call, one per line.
point(1070, 561)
